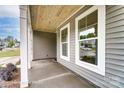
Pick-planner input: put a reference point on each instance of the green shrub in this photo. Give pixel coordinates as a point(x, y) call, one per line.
point(89, 59)
point(11, 43)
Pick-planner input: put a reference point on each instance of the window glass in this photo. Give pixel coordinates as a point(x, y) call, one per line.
point(64, 35)
point(87, 30)
point(88, 51)
point(92, 19)
point(65, 49)
point(87, 26)
point(89, 33)
point(82, 24)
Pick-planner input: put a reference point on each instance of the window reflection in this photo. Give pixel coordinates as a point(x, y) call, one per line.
point(87, 28)
point(88, 51)
point(64, 49)
point(64, 35)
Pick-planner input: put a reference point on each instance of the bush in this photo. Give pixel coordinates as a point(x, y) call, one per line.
point(11, 67)
point(6, 74)
point(89, 59)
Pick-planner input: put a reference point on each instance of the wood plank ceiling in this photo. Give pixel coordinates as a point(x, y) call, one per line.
point(48, 17)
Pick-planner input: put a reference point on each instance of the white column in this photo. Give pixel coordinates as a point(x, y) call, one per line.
point(24, 46)
point(30, 40)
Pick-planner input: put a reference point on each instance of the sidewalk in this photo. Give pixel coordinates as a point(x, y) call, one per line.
point(6, 60)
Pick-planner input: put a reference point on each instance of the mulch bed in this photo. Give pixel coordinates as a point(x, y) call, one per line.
point(15, 83)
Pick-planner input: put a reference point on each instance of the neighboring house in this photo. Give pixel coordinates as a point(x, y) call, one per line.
point(98, 57)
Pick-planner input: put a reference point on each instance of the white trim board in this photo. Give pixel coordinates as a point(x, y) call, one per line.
point(100, 67)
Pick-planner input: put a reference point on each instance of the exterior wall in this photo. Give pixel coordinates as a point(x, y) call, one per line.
point(44, 45)
point(114, 64)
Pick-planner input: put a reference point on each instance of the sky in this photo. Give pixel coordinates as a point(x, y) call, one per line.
point(9, 21)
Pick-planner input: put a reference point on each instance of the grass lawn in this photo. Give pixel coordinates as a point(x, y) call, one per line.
point(9, 53)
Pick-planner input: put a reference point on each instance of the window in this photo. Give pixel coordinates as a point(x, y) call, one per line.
point(90, 39)
point(87, 30)
point(64, 42)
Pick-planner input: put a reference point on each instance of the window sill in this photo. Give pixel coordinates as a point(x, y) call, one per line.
point(65, 58)
point(91, 67)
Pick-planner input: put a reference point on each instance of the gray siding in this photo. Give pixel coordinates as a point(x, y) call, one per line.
point(114, 64)
point(44, 45)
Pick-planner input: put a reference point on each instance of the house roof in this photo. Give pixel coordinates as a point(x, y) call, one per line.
point(48, 17)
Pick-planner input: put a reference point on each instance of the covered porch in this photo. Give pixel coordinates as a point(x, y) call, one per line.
point(51, 74)
point(45, 71)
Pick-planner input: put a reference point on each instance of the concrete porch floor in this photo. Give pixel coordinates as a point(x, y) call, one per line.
point(50, 74)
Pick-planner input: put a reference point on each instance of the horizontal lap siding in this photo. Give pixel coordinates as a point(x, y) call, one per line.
point(44, 45)
point(115, 51)
point(115, 45)
point(114, 68)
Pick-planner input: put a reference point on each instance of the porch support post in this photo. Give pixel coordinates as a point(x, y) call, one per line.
point(24, 45)
point(30, 40)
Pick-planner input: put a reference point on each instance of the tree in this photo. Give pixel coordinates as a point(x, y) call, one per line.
point(90, 35)
point(9, 38)
point(11, 43)
point(83, 37)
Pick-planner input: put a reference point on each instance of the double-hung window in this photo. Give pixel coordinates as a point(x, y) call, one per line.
point(90, 39)
point(64, 42)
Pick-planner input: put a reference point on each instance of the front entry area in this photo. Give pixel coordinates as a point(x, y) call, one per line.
point(45, 72)
point(51, 74)
point(42, 47)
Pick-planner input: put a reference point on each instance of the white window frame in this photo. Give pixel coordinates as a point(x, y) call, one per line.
point(100, 67)
point(68, 42)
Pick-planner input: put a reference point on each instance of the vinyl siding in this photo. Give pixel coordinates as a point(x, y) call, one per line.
point(44, 45)
point(114, 64)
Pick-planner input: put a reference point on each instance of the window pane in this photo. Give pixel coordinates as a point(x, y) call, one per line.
point(65, 49)
point(88, 33)
point(64, 35)
point(88, 51)
point(82, 24)
point(87, 26)
point(92, 18)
